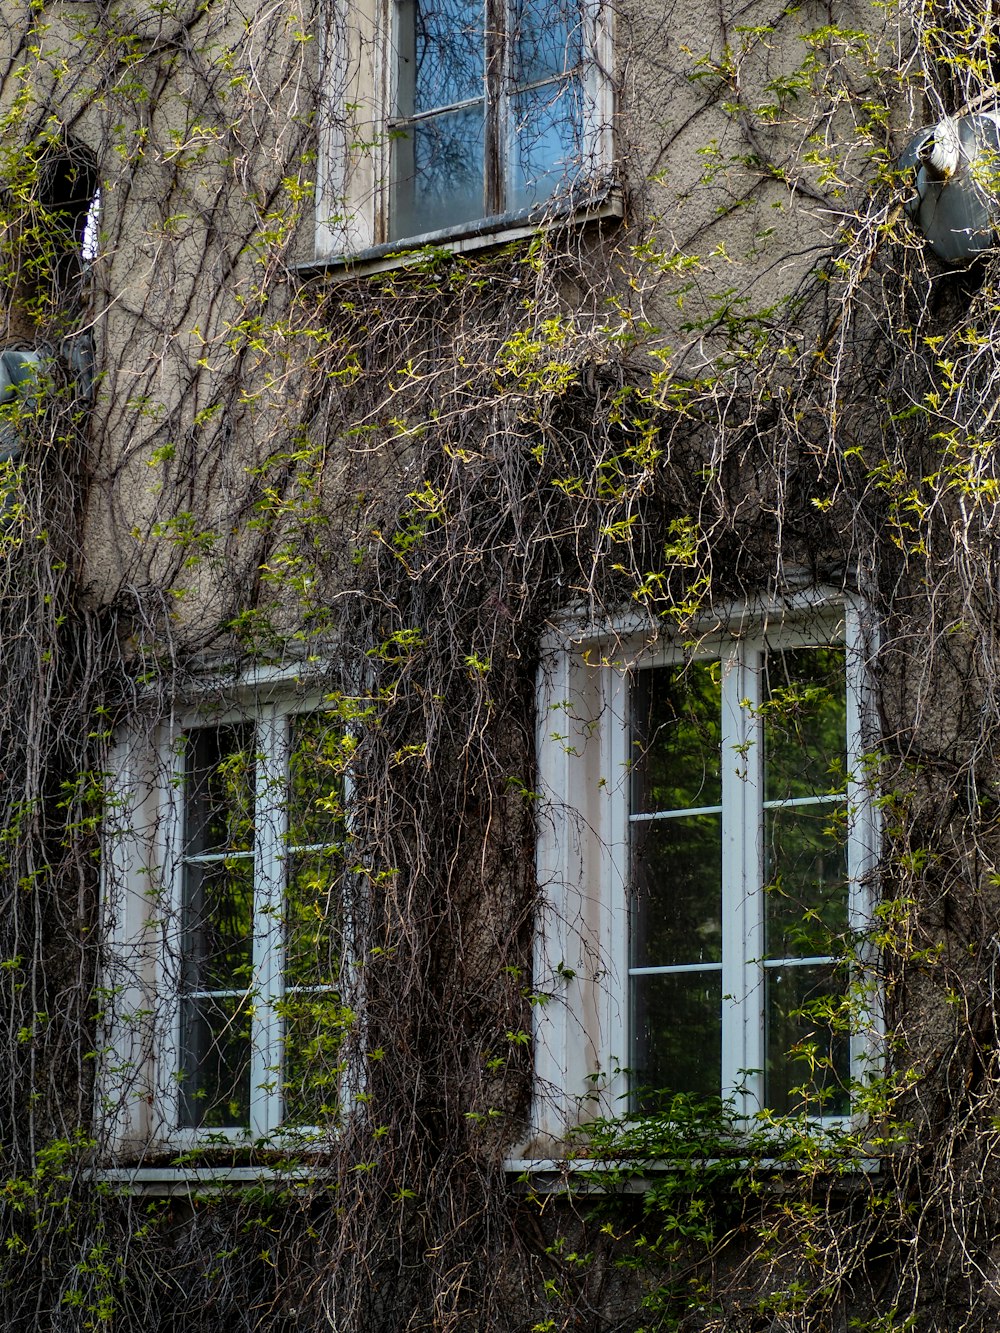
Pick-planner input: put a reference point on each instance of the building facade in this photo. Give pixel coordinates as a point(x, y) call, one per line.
point(498, 643)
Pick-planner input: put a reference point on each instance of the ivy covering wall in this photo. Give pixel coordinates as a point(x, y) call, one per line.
point(759, 377)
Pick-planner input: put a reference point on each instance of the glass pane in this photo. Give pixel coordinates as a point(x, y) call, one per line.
point(441, 45)
point(678, 891)
point(806, 880)
point(547, 144)
point(677, 1035)
point(218, 925)
point(315, 781)
point(215, 1063)
point(219, 777)
point(808, 1055)
point(805, 723)
point(312, 954)
point(677, 741)
point(439, 177)
point(546, 39)
point(315, 1025)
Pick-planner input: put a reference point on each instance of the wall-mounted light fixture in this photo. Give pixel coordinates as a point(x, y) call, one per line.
point(957, 201)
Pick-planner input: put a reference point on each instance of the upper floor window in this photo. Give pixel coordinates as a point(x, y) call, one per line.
point(225, 899)
point(704, 852)
point(493, 111)
point(69, 193)
point(489, 109)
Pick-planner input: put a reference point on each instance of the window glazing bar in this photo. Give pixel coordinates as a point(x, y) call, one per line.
point(644, 816)
point(837, 796)
point(671, 968)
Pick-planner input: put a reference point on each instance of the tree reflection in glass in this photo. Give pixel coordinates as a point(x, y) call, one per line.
point(217, 927)
point(739, 869)
point(676, 963)
point(313, 1017)
point(804, 713)
point(488, 113)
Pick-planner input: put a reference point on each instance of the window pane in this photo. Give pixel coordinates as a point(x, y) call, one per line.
point(218, 925)
point(315, 1025)
point(677, 743)
point(546, 39)
point(806, 879)
point(215, 1063)
point(805, 723)
point(439, 176)
point(312, 955)
point(441, 46)
point(219, 773)
point(677, 1034)
point(678, 891)
point(315, 781)
point(808, 1059)
point(547, 144)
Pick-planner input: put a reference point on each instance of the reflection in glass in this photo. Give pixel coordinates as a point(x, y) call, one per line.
point(806, 876)
point(315, 781)
point(313, 1019)
point(807, 1044)
point(441, 47)
point(677, 738)
point(439, 172)
point(677, 879)
point(547, 146)
point(230, 1011)
point(218, 924)
point(678, 891)
point(466, 146)
point(215, 1063)
point(218, 790)
point(677, 1034)
point(546, 39)
point(315, 1025)
point(312, 946)
point(794, 831)
point(805, 723)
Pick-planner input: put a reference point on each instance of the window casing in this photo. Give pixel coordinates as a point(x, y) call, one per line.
point(705, 845)
point(446, 118)
point(225, 910)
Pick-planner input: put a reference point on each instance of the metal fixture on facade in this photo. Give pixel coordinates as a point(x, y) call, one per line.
point(957, 201)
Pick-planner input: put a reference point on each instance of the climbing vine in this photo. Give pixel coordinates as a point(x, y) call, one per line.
point(382, 484)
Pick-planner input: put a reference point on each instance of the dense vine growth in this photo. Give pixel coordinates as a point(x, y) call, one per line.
point(384, 484)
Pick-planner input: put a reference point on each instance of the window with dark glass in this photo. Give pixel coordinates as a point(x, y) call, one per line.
point(488, 109)
point(741, 880)
point(260, 1020)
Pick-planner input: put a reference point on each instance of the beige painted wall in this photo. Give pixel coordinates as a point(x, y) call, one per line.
point(203, 126)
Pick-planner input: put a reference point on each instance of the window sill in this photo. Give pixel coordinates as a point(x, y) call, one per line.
point(582, 1175)
point(487, 233)
point(535, 1175)
point(171, 1181)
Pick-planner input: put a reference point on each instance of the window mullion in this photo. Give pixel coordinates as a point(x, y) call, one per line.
point(270, 814)
point(497, 109)
point(615, 762)
point(598, 108)
point(172, 763)
point(742, 851)
point(862, 844)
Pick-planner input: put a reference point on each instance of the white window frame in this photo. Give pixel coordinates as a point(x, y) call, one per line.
point(354, 167)
point(138, 1089)
point(582, 952)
